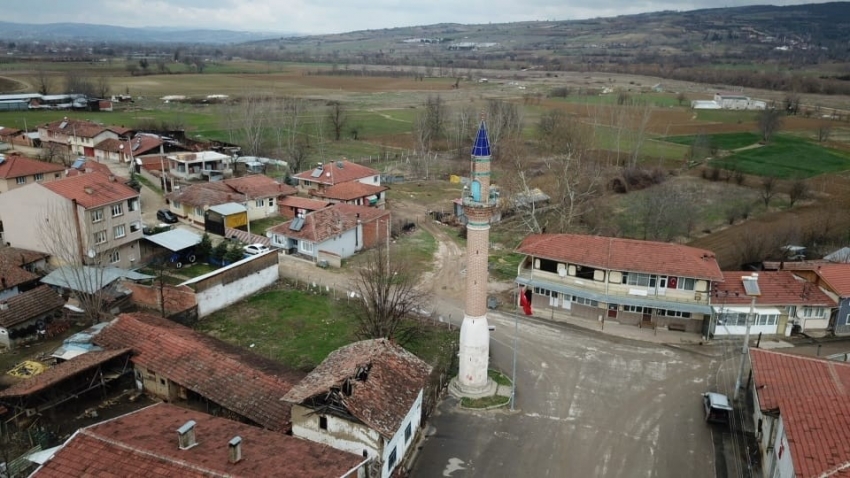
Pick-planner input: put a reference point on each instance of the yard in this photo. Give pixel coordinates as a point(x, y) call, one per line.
point(787, 157)
point(300, 327)
point(726, 141)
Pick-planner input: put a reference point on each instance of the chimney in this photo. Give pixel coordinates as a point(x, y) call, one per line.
point(186, 435)
point(4, 305)
point(111, 178)
point(234, 450)
point(88, 190)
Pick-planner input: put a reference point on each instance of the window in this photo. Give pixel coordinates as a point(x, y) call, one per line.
point(408, 432)
point(376, 179)
point(100, 237)
point(323, 423)
point(584, 301)
point(633, 308)
point(259, 203)
point(847, 320)
point(271, 203)
point(117, 209)
point(21, 180)
point(97, 215)
point(543, 292)
point(119, 231)
point(674, 313)
point(176, 204)
point(306, 246)
point(199, 211)
point(57, 175)
point(768, 319)
point(392, 459)
point(133, 205)
point(811, 312)
point(634, 278)
point(135, 226)
point(114, 257)
point(39, 177)
point(686, 283)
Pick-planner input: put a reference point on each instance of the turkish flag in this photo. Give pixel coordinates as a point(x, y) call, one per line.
point(672, 282)
point(525, 301)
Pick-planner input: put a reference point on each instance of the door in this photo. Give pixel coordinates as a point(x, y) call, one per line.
point(662, 285)
point(553, 299)
point(612, 311)
point(475, 190)
point(566, 301)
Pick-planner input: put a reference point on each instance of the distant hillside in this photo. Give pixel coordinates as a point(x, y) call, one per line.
point(114, 34)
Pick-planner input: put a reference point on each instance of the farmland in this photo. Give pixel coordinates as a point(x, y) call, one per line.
point(787, 157)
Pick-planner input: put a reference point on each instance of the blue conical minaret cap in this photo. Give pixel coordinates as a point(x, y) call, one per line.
point(481, 148)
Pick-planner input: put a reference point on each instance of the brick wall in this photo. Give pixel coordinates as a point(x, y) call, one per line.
point(177, 299)
point(477, 247)
point(375, 231)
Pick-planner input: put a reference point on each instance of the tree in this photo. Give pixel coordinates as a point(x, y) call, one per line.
point(768, 189)
point(248, 120)
point(78, 83)
point(385, 300)
point(681, 98)
point(792, 103)
point(504, 123)
point(234, 252)
point(102, 87)
point(799, 191)
point(769, 122)
point(337, 117)
point(824, 131)
point(204, 248)
point(42, 81)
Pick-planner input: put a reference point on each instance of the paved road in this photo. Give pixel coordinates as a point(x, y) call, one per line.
point(589, 405)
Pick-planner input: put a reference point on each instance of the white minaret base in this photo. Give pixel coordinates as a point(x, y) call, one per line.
point(474, 355)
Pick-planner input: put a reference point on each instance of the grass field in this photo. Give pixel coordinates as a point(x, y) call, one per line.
point(725, 116)
point(787, 157)
point(727, 141)
point(300, 328)
point(656, 99)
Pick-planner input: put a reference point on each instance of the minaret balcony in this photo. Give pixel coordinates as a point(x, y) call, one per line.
point(472, 203)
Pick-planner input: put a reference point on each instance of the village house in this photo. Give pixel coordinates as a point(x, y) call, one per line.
point(198, 165)
point(334, 233)
point(834, 280)
point(164, 440)
point(784, 301)
point(17, 171)
point(259, 195)
point(77, 137)
point(294, 206)
point(179, 365)
point(362, 184)
point(83, 166)
point(18, 137)
point(738, 101)
point(91, 216)
point(23, 315)
point(365, 398)
point(124, 150)
point(801, 409)
point(645, 283)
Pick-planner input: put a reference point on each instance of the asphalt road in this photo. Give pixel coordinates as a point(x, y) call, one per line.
point(588, 406)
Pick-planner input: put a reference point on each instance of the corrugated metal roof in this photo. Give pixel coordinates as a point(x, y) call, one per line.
point(229, 208)
point(175, 239)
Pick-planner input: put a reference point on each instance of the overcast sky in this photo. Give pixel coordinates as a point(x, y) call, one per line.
point(335, 16)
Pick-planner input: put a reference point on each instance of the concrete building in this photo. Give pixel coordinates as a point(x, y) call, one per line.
point(17, 171)
point(77, 137)
point(478, 205)
point(366, 399)
point(91, 216)
point(200, 165)
point(327, 175)
point(644, 283)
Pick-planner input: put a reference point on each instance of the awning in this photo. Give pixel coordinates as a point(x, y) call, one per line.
point(746, 310)
point(175, 240)
point(372, 199)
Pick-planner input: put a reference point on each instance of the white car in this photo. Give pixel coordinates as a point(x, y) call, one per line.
point(254, 249)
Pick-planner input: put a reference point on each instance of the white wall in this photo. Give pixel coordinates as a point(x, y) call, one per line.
point(413, 417)
point(373, 180)
point(222, 295)
point(341, 245)
point(340, 434)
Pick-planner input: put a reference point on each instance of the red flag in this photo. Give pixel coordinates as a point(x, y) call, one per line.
point(525, 301)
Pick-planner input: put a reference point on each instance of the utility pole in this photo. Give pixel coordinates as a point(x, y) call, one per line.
point(751, 288)
point(516, 343)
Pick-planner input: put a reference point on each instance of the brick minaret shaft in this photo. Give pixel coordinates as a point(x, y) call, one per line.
point(474, 333)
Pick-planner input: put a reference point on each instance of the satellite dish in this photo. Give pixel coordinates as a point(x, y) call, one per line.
point(91, 253)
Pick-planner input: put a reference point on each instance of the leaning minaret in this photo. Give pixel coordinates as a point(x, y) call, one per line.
point(474, 332)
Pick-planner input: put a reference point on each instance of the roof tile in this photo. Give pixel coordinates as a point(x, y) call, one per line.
point(92, 190)
point(325, 223)
point(837, 276)
point(62, 371)
point(29, 305)
point(332, 173)
point(778, 288)
point(16, 166)
point(348, 191)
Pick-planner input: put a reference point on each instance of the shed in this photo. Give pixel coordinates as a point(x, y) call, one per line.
point(179, 242)
point(222, 216)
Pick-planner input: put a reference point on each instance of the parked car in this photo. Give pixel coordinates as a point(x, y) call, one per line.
point(718, 409)
point(161, 227)
point(254, 249)
point(166, 216)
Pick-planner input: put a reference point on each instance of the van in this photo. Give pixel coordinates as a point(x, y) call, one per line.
point(717, 408)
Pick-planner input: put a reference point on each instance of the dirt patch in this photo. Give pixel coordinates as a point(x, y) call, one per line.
point(359, 84)
point(9, 85)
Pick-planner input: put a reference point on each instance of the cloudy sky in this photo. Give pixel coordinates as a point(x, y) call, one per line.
point(334, 16)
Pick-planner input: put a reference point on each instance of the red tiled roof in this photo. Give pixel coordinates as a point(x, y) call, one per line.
point(234, 378)
point(793, 265)
point(11, 271)
point(778, 288)
point(61, 372)
point(259, 186)
point(333, 174)
point(837, 276)
point(155, 162)
point(29, 305)
point(381, 400)
point(303, 203)
point(103, 190)
point(629, 255)
point(6, 131)
point(143, 444)
point(16, 166)
point(142, 143)
point(204, 194)
point(75, 127)
point(813, 398)
point(91, 166)
point(331, 221)
point(348, 191)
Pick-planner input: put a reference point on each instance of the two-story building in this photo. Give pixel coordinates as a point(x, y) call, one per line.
point(834, 280)
point(17, 171)
point(364, 398)
point(625, 280)
point(345, 182)
point(76, 136)
point(124, 150)
point(258, 193)
point(203, 164)
point(784, 301)
point(91, 216)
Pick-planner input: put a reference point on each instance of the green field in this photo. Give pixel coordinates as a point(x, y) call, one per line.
point(726, 116)
point(787, 157)
point(727, 141)
point(663, 100)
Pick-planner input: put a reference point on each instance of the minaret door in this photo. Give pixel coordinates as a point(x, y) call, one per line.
point(476, 191)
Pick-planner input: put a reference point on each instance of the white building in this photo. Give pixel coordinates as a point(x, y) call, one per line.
point(365, 398)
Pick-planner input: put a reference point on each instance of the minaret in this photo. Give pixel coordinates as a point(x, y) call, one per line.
point(474, 332)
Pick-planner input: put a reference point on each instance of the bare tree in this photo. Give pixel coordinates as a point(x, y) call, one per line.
point(337, 118)
point(769, 122)
point(77, 82)
point(768, 189)
point(824, 131)
point(799, 191)
point(291, 140)
point(792, 103)
point(42, 80)
point(102, 87)
point(504, 122)
point(663, 212)
point(80, 253)
point(250, 118)
point(681, 98)
point(385, 300)
point(430, 124)
point(461, 130)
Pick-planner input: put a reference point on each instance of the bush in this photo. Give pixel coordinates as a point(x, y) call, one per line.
point(234, 253)
point(204, 248)
point(219, 251)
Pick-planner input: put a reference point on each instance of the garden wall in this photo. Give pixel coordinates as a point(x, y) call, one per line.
point(225, 286)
